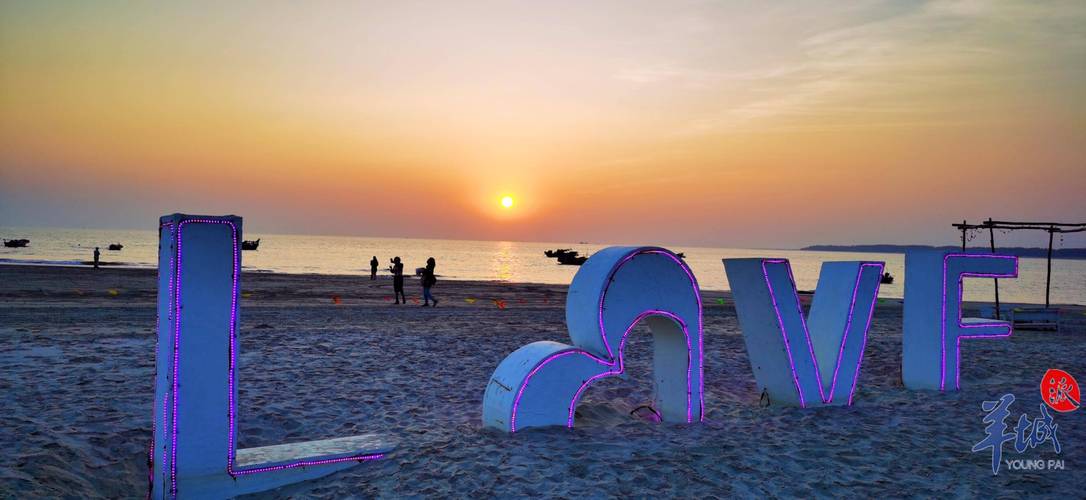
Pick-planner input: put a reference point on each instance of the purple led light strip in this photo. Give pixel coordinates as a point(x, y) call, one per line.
point(524, 385)
point(942, 319)
point(612, 362)
point(848, 326)
point(867, 327)
point(807, 334)
point(304, 463)
point(784, 332)
point(176, 355)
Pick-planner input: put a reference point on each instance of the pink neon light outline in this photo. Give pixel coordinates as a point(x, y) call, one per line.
point(867, 328)
point(524, 385)
point(784, 333)
point(176, 356)
point(231, 451)
point(942, 322)
point(848, 326)
point(807, 334)
point(612, 362)
point(306, 463)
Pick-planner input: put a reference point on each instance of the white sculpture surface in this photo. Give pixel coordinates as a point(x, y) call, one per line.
point(810, 361)
point(541, 383)
point(933, 323)
point(194, 452)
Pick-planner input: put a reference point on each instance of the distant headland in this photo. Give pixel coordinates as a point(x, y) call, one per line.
point(1062, 253)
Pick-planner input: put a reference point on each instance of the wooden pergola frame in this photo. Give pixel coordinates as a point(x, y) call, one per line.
point(1050, 227)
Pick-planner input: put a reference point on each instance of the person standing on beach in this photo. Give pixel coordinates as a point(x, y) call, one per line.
point(97, 254)
point(397, 280)
point(428, 281)
point(373, 268)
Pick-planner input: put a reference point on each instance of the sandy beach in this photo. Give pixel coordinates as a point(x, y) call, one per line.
point(325, 356)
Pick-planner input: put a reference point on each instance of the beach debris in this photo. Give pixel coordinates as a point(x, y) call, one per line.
point(336, 300)
point(470, 300)
point(499, 302)
point(720, 301)
point(250, 244)
point(647, 412)
point(246, 295)
point(16, 243)
point(116, 247)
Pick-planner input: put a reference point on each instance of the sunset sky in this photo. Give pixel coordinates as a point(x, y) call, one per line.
point(758, 124)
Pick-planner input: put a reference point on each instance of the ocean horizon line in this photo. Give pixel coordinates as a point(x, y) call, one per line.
point(250, 234)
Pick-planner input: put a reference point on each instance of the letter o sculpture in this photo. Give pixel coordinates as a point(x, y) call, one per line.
point(540, 383)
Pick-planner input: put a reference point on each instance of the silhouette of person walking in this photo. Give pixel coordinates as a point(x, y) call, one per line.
point(397, 280)
point(428, 281)
point(97, 254)
point(373, 268)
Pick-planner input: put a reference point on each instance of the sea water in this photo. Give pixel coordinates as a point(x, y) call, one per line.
point(511, 261)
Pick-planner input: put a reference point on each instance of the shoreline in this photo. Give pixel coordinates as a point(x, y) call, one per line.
point(345, 282)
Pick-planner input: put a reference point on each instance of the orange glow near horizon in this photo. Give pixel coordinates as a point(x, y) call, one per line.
point(736, 125)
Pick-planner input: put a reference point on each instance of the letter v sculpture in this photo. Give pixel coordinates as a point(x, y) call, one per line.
point(810, 361)
point(194, 450)
point(541, 383)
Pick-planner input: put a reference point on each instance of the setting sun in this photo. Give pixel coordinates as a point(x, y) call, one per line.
point(507, 201)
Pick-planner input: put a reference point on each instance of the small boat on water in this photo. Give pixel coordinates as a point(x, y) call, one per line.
point(571, 259)
point(16, 243)
point(250, 244)
point(115, 246)
point(558, 252)
point(886, 278)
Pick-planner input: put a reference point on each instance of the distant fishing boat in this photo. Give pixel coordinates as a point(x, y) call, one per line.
point(558, 252)
point(16, 243)
point(250, 244)
point(886, 278)
point(115, 246)
point(571, 259)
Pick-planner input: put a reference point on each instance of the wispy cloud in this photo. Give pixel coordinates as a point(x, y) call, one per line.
point(911, 67)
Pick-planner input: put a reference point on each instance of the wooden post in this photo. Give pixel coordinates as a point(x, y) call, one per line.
point(963, 234)
point(1048, 279)
point(991, 237)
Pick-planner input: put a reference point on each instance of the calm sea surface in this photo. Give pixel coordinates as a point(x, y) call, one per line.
point(503, 260)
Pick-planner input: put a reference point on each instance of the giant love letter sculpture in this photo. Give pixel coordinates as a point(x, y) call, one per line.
point(541, 383)
point(933, 323)
point(813, 361)
point(194, 452)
